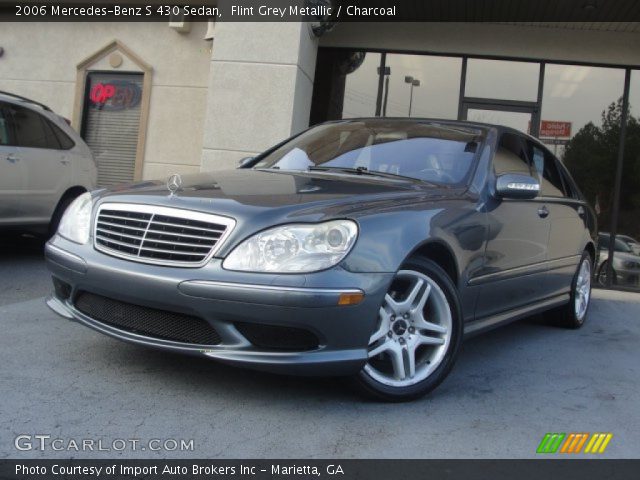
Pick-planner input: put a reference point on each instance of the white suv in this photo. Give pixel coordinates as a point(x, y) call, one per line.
point(44, 165)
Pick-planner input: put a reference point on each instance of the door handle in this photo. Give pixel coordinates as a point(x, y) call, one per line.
point(12, 158)
point(64, 161)
point(543, 212)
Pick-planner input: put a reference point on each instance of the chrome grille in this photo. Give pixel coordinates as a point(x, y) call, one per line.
point(159, 235)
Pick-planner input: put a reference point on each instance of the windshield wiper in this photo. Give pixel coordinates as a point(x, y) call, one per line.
point(364, 171)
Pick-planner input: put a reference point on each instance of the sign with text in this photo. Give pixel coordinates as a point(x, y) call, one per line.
point(115, 95)
point(552, 128)
point(555, 141)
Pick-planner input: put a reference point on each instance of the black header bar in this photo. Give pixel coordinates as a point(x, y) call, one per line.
point(322, 11)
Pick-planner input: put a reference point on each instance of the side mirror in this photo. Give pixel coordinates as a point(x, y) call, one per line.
point(244, 161)
point(515, 185)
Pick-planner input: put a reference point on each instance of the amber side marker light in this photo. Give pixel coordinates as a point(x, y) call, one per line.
point(350, 298)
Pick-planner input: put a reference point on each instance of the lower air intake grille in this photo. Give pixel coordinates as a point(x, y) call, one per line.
point(146, 321)
point(278, 338)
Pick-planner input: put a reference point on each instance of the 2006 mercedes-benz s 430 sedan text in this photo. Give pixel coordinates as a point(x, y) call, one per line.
point(364, 247)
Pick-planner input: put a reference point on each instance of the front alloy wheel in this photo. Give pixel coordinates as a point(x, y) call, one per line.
point(417, 335)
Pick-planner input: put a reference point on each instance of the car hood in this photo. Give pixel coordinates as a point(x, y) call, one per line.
point(259, 199)
point(306, 195)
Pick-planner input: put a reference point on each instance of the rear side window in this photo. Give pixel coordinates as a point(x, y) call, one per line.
point(32, 130)
point(5, 126)
point(547, 171)
point(63, 139)
point(569, 186)
point(50, 136)
point(511, 156)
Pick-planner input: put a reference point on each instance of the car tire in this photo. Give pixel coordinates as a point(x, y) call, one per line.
point(425, 323)
point(574, 313)
point(58, 212)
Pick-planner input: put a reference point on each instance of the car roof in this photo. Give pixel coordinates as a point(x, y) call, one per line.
point(18, 99)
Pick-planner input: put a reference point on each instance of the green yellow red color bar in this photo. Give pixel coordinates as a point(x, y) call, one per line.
point(574, 443)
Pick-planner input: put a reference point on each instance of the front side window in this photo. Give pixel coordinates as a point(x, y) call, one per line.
point(31, 130)
point(510, 156)
point(547, 172)
point(432, 152)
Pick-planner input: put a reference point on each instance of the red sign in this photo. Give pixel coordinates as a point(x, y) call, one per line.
point(115, 95)
point(551, 128)
point(100, 92)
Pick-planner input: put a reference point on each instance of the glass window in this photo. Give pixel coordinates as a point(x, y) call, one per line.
point(510, 156)
point(63, 139)
point(421, 86)
point(569, 184)
point(5, 126)
point(502, 79)
point(547, 172)
point(30, 130)
point(576, 96)
point(51, 138)
point(518, 120)
point(345, 84)
point(604, 241)
point(425, 151)
point(361, 84)
point(627, 265)
point(587, 100)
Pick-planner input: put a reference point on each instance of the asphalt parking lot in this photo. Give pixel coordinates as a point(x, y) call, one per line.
point(508, 389)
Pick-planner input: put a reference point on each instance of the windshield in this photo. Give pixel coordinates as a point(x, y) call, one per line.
point(435, 153)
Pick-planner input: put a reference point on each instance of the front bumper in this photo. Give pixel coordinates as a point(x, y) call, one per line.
point(224, 299)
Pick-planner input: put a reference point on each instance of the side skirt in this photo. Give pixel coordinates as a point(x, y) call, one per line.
point(484, 324)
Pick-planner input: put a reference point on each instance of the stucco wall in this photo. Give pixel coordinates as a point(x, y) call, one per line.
point(40, 62)
point(260, 89)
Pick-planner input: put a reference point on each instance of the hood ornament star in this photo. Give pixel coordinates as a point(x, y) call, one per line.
point(174, 184)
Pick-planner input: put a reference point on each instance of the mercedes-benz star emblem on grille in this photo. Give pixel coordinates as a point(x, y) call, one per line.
point(174, 183)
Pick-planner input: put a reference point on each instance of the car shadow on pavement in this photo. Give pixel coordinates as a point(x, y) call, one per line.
point(23, 274)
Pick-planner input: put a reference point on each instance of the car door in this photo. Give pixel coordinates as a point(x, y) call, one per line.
point(516, 252)
point(48, 170)
point(567, 221)
point(12, 171)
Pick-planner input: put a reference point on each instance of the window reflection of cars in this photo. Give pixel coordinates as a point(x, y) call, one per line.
point(632, 242)
point(625, 264)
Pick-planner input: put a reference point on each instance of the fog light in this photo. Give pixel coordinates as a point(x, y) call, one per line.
point(350, 298)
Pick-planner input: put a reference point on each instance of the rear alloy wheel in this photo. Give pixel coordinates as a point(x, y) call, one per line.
point(573, 314)
point(417, 335)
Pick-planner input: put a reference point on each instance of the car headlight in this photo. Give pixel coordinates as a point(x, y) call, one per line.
point(294, 248)
point(75, 224)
